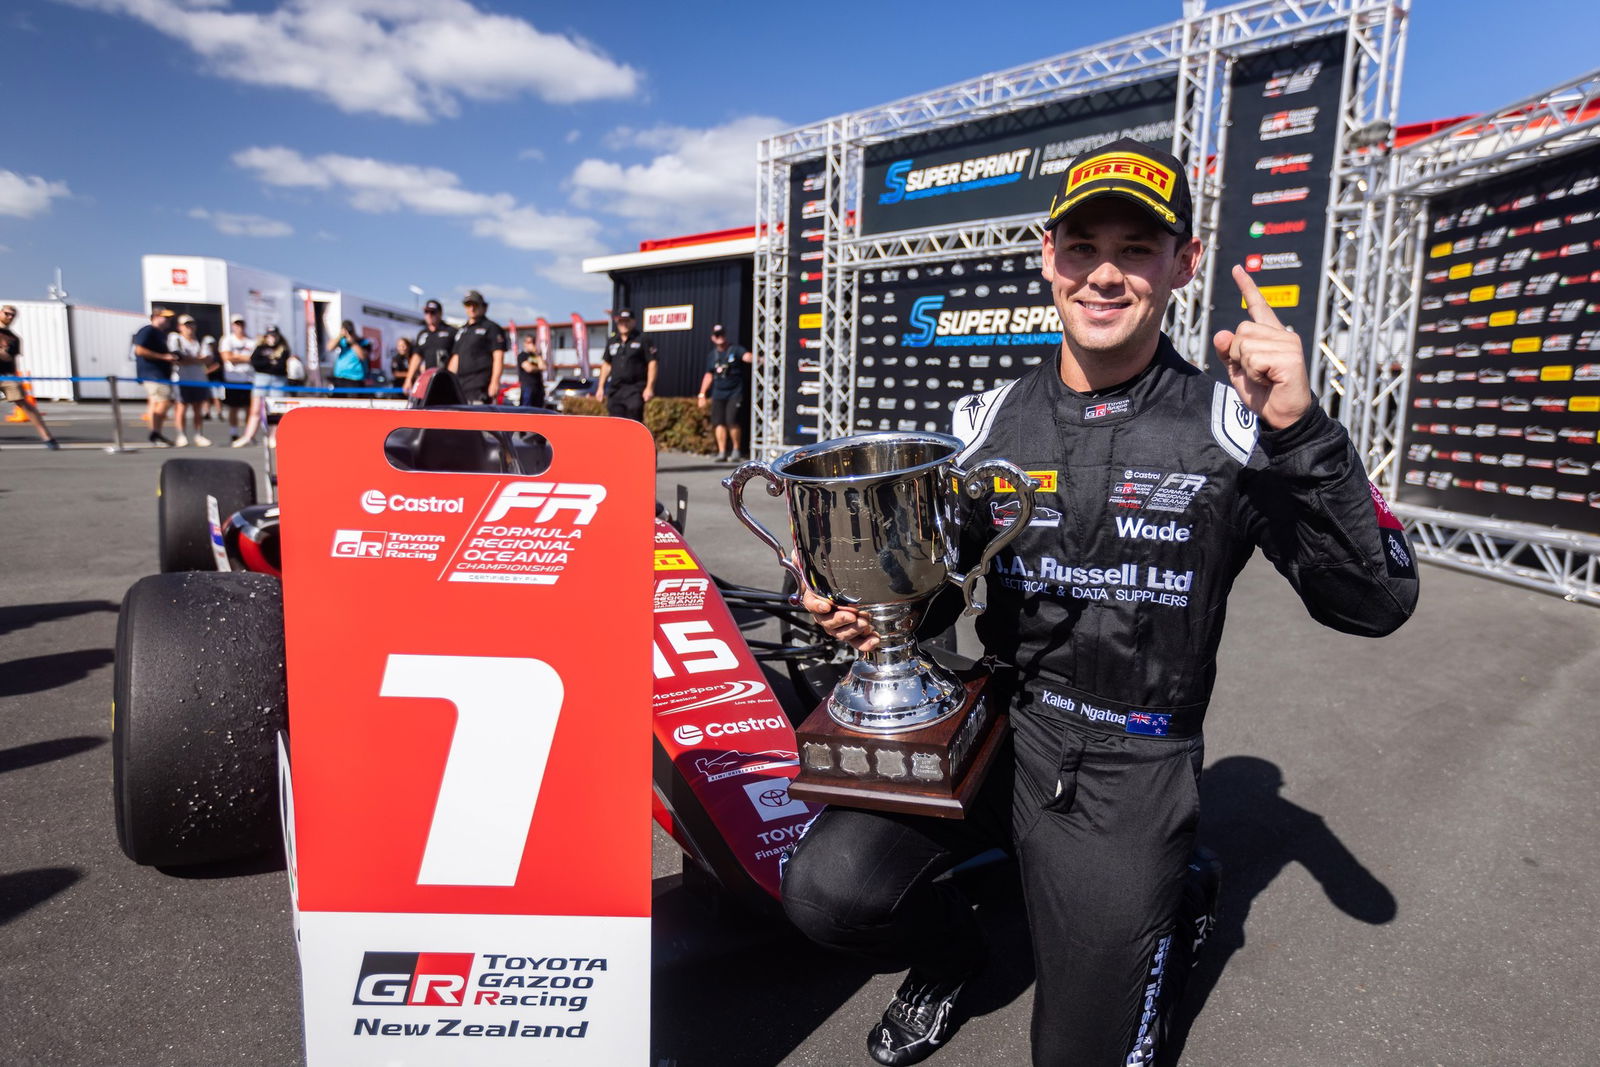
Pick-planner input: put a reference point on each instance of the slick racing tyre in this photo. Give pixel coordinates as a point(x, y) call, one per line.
point(183, 530)
point(199, 696)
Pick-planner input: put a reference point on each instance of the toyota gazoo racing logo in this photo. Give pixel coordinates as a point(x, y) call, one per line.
point(376, 502)
point(690, 734)
point(423, 979)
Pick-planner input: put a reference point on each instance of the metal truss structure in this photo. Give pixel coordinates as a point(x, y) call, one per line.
point(1393, 238)
point(1197, 50)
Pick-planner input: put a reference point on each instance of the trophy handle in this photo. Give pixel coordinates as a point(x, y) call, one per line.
point(734, 484)
point(973, 481)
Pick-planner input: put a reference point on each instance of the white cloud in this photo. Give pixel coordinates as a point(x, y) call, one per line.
point(415, 60)
point(531, 153)
point(508, 303)
point(236, 225)
point(26, 195)
point(699, 179)
point(378, 186)
point(567, 272)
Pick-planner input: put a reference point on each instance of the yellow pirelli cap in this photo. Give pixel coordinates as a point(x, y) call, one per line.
point(1132, 170)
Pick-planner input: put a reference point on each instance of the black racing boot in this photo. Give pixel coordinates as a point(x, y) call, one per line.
point(920, 1019)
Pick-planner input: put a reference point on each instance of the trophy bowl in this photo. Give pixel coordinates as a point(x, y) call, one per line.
point(874, 523)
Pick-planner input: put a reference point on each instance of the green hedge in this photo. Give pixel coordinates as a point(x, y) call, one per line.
point(677, 422)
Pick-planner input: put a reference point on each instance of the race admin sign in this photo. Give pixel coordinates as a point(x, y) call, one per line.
point(929, 334)
point(1007, 164)
point(1503, 404)
point(467, 791)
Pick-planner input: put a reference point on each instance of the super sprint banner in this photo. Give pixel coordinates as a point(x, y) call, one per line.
point(929, 334)
point(1504, 404)
point(1283, 129)
point(802, 357)
point(1008, 164)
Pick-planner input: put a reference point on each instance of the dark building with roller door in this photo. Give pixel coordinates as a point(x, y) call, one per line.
point(678, 289)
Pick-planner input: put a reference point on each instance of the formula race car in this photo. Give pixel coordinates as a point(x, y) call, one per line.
point(200, 690)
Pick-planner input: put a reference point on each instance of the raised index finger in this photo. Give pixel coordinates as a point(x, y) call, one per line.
point(1260, 310)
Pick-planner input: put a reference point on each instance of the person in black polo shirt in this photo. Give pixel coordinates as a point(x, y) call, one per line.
point(479, 351)
point(628, 374)
point(154, 365)
point(434, 343)
point(724, 388)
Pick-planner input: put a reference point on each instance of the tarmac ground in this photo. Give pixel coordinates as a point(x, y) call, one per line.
point(1407, 828)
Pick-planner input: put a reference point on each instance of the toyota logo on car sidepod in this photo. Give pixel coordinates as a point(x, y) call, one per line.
point(774, 798)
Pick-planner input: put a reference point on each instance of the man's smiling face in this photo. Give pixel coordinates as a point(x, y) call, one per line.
point(1111, 270)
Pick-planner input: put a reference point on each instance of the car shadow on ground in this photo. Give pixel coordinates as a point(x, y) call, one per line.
point(15, 617)
point(23, 890)
point(39, 674)
point(1257, 832)
point(31, 755)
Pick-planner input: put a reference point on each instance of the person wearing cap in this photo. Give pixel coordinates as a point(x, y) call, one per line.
point(479, 352)
point(627, 370)
point(189, 367)
point(1157, 481)
point(10, 352)
point(269, 365)
point(153, 365)
point(433, 344)
point(236, 373)
point(723, 390)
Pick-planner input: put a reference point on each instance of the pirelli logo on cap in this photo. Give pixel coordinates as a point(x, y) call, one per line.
point(1123, 165)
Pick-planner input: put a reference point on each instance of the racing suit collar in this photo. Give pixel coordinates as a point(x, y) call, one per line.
point(1117, 403)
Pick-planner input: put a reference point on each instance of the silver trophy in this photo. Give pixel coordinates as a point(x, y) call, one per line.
point(874, 524)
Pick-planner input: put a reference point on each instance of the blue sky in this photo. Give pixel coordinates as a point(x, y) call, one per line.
point(372, 145)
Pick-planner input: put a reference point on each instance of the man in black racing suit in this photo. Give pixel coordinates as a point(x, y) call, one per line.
point(1157, 483)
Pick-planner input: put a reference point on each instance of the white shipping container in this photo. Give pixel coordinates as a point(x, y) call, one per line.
point(102, 344)
point(42, 327)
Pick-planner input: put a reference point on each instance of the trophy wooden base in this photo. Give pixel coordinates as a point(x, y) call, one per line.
point(932, 771)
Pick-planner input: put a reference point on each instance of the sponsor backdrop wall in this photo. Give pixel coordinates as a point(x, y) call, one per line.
point(803, 352)
point(677, 306)
point(932, 333)
point(1283, 131)
point(1001, 165)
point(1504, 397)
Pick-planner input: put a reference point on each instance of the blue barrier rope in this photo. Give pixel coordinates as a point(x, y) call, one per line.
point(371, 390)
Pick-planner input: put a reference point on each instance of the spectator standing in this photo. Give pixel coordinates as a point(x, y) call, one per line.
point(235, 351)
point(628, 370)
point(10, 353)
point(350, 362)
point(479, 352)
point(213, 405)
point(724, 389)
point(154, 368)
point(400, 361)
point(435, 341)
point(269, 364)
point(530, 372)
point(189, 366)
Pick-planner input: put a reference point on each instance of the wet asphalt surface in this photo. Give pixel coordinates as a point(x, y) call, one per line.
point(1407, 828)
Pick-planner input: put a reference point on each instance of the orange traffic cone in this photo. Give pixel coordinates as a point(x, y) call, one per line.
point(17, 413)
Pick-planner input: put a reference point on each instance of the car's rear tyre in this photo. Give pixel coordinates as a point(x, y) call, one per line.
point(183, 530)
point(199, 696)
